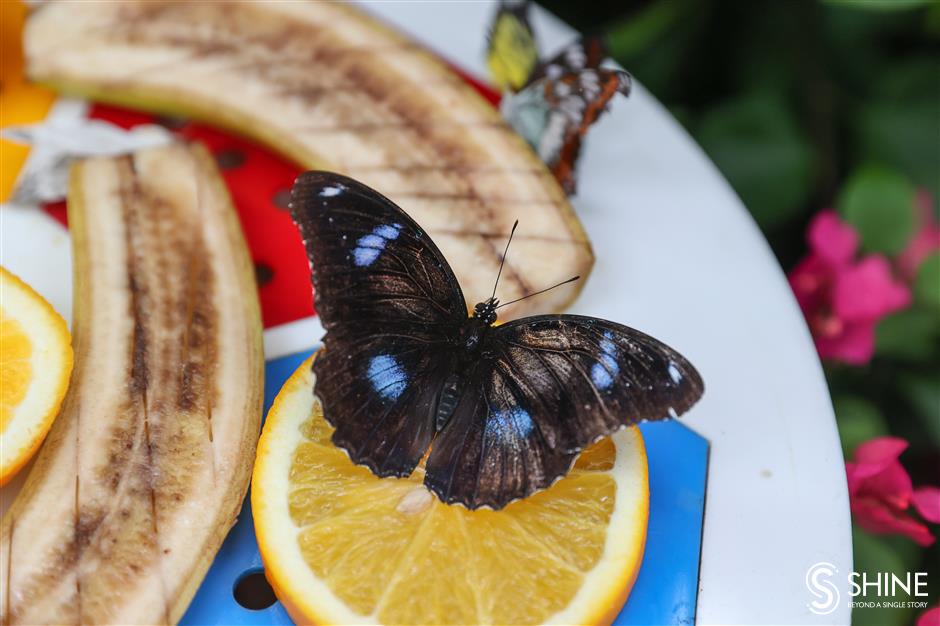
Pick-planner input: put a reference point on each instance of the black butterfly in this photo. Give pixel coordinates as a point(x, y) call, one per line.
point(504, 409)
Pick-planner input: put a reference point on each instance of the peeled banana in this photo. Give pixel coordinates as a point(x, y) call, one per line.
point(147, 464)
point(331, 88)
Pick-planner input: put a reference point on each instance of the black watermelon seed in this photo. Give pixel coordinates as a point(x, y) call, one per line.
point(229, 159)
point(264, 273)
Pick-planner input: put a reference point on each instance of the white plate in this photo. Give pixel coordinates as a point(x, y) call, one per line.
point(678, 256)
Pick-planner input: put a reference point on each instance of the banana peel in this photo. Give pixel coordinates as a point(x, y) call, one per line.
point(147, 464)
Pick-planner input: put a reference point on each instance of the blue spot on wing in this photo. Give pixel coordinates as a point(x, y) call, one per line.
point(388, 231)
point(369, 247)
point(332, 190)
point(674, 373)
point(371, 241)
point(606, 368)
point(365, 256)
point(515, 421)
point(387, 376)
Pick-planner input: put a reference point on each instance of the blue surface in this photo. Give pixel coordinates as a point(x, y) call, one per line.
point(665, 589)
point(214, 602)
point(667, 585)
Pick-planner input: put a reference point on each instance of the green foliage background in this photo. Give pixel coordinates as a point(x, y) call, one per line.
point(805, 105)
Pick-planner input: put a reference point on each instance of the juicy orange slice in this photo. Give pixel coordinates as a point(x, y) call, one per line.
point(342, 546)
point(35, 364)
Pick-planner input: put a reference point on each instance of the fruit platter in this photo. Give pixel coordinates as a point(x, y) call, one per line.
point(329, 313)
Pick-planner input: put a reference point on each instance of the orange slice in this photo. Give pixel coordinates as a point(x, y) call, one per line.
point(342, 546)
point(35, 364)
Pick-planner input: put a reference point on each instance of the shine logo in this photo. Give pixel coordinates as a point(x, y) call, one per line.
point(823, 590)
point(877, 590)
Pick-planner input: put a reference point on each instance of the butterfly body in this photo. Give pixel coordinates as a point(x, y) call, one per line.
point(469, 349)
point(500, 410)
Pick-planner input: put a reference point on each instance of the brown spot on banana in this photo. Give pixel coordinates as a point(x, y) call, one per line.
point(306, 79)
point(148, 462)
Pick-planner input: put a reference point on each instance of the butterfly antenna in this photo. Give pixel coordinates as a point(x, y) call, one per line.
point(564, 282)
point(503, 260)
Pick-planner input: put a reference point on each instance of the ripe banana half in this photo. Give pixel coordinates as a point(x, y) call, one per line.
point(330, 88)
point(147, 464)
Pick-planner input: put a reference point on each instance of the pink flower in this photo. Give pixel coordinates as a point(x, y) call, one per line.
point(925, 240)
point(843, 297)
point(927, 502)
point(880, 492)
point(930, 617)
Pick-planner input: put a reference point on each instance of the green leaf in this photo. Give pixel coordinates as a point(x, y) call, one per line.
point(880, 5)
point(907, 552)
point(879, 203)
point(923, 392)
point(927, 283)
point(903, 80)
point(859, 420)
point(629, 37)
point(874, 554)
point(766, 157)
point(657, 60)
point(903, 134)
point(909, 334)
point(933, 20)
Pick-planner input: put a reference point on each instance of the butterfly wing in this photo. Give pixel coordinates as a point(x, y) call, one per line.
point(551, 386)
point(553, 114)
point(389, 302)
point(492, 451)
point(582, 54)
point(512, 53)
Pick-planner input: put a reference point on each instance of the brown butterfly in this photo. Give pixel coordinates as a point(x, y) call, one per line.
point(554, 115)
point(553, 103)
